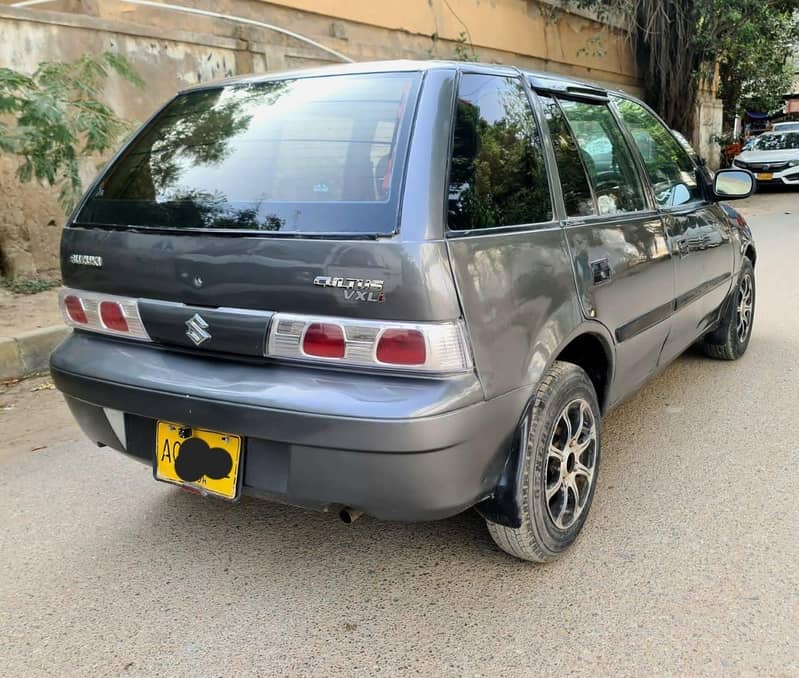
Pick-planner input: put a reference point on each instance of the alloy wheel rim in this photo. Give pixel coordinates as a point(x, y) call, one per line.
point(743, 316)
point(571, 463)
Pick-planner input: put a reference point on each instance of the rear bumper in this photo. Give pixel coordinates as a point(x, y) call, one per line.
point(394, 447)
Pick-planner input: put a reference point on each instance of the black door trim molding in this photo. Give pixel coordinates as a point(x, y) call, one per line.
point(657, 315)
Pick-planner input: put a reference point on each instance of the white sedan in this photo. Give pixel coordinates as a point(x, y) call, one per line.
point(773, 158)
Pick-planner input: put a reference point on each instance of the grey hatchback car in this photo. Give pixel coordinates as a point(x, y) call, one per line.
point(401, 289)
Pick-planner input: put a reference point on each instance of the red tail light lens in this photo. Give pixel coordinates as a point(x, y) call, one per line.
point(324, 340)
point(113, 316)
point(75, 310)
point(402, 347)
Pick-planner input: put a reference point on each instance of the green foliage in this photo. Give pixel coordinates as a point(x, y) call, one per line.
point(756, 70)
point(57, 118)
point(464, 51)
point(594, 47)
point(679, 42)
point(29, 285)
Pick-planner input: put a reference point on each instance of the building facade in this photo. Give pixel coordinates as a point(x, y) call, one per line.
point(172, 49)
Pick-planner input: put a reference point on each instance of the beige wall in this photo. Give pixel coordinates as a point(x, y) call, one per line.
point(173, 50)
point(518, 28)
point(30, 216)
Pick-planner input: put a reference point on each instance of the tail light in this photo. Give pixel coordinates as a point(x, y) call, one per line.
point(103, 313)
point(421, 347)
point(324, 340)
point(73, 307)
point(112, 316)
point(401, 347)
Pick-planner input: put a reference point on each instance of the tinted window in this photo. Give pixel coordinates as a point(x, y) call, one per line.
point(497, 176)
point(668, 165)
point(606, 156)
point(305, 155)
point(573, 181)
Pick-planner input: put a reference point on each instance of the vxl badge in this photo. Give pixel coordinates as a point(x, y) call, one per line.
point(355, 289)
point(197, 329)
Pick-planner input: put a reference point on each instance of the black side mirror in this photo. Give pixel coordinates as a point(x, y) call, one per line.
point(733, 184)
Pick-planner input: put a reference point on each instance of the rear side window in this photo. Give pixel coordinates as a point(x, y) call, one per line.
point(669, 167)
point(577, 196)
point(322, 154)
point(606, 157)
point(497, 175)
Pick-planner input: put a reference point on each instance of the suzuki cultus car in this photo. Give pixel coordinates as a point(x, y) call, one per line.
point(401, 289)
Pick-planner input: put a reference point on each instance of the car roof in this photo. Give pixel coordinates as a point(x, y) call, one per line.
point(540, 79)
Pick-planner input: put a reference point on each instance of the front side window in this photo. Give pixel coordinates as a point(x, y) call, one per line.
point(668, 165)
point(606, 156)
point(318, 154)
point(497, 175)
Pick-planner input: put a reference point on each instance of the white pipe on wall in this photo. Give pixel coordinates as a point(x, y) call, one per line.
point(215, 15)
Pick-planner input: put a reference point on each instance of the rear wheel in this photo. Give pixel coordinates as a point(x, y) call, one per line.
point(560, 466)
point(731, 339)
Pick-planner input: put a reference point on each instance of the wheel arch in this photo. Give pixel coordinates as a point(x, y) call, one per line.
point(589, 347)
point(592, 350)
point(750, 253)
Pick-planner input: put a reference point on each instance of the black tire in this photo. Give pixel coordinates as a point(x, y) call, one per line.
point(540, 538)
point(727, 342)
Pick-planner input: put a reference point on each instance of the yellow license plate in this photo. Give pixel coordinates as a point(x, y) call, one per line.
point(207, 461)
point(765, 176)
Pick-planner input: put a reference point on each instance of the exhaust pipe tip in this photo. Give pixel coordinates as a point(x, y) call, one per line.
point(349, 516)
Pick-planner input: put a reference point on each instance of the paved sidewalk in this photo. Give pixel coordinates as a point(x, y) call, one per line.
point(30, 328)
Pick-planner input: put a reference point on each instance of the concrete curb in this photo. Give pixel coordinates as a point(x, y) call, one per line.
point(29, 352)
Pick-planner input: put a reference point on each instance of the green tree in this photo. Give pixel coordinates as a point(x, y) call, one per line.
point(755, 73)
point(52, 119)
point(679, 42)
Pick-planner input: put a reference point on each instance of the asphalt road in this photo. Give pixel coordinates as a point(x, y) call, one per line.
point(688, 563)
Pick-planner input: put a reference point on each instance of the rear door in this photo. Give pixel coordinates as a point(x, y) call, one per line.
point(280, 195)
point(508, 251)
point(622, 262)
point(699, 234)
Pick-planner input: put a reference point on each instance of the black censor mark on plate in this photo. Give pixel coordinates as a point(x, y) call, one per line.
point(195, 459)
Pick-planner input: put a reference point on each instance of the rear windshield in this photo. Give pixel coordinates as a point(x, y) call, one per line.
point(310, 155)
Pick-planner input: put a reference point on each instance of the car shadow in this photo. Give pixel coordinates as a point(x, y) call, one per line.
point(262, 535)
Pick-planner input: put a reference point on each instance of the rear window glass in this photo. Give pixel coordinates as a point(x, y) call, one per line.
point(311, 155)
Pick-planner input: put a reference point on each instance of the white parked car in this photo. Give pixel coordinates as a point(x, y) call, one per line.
point(773, 158)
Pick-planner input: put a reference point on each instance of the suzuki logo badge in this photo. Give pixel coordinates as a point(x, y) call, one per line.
point(197, 329)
